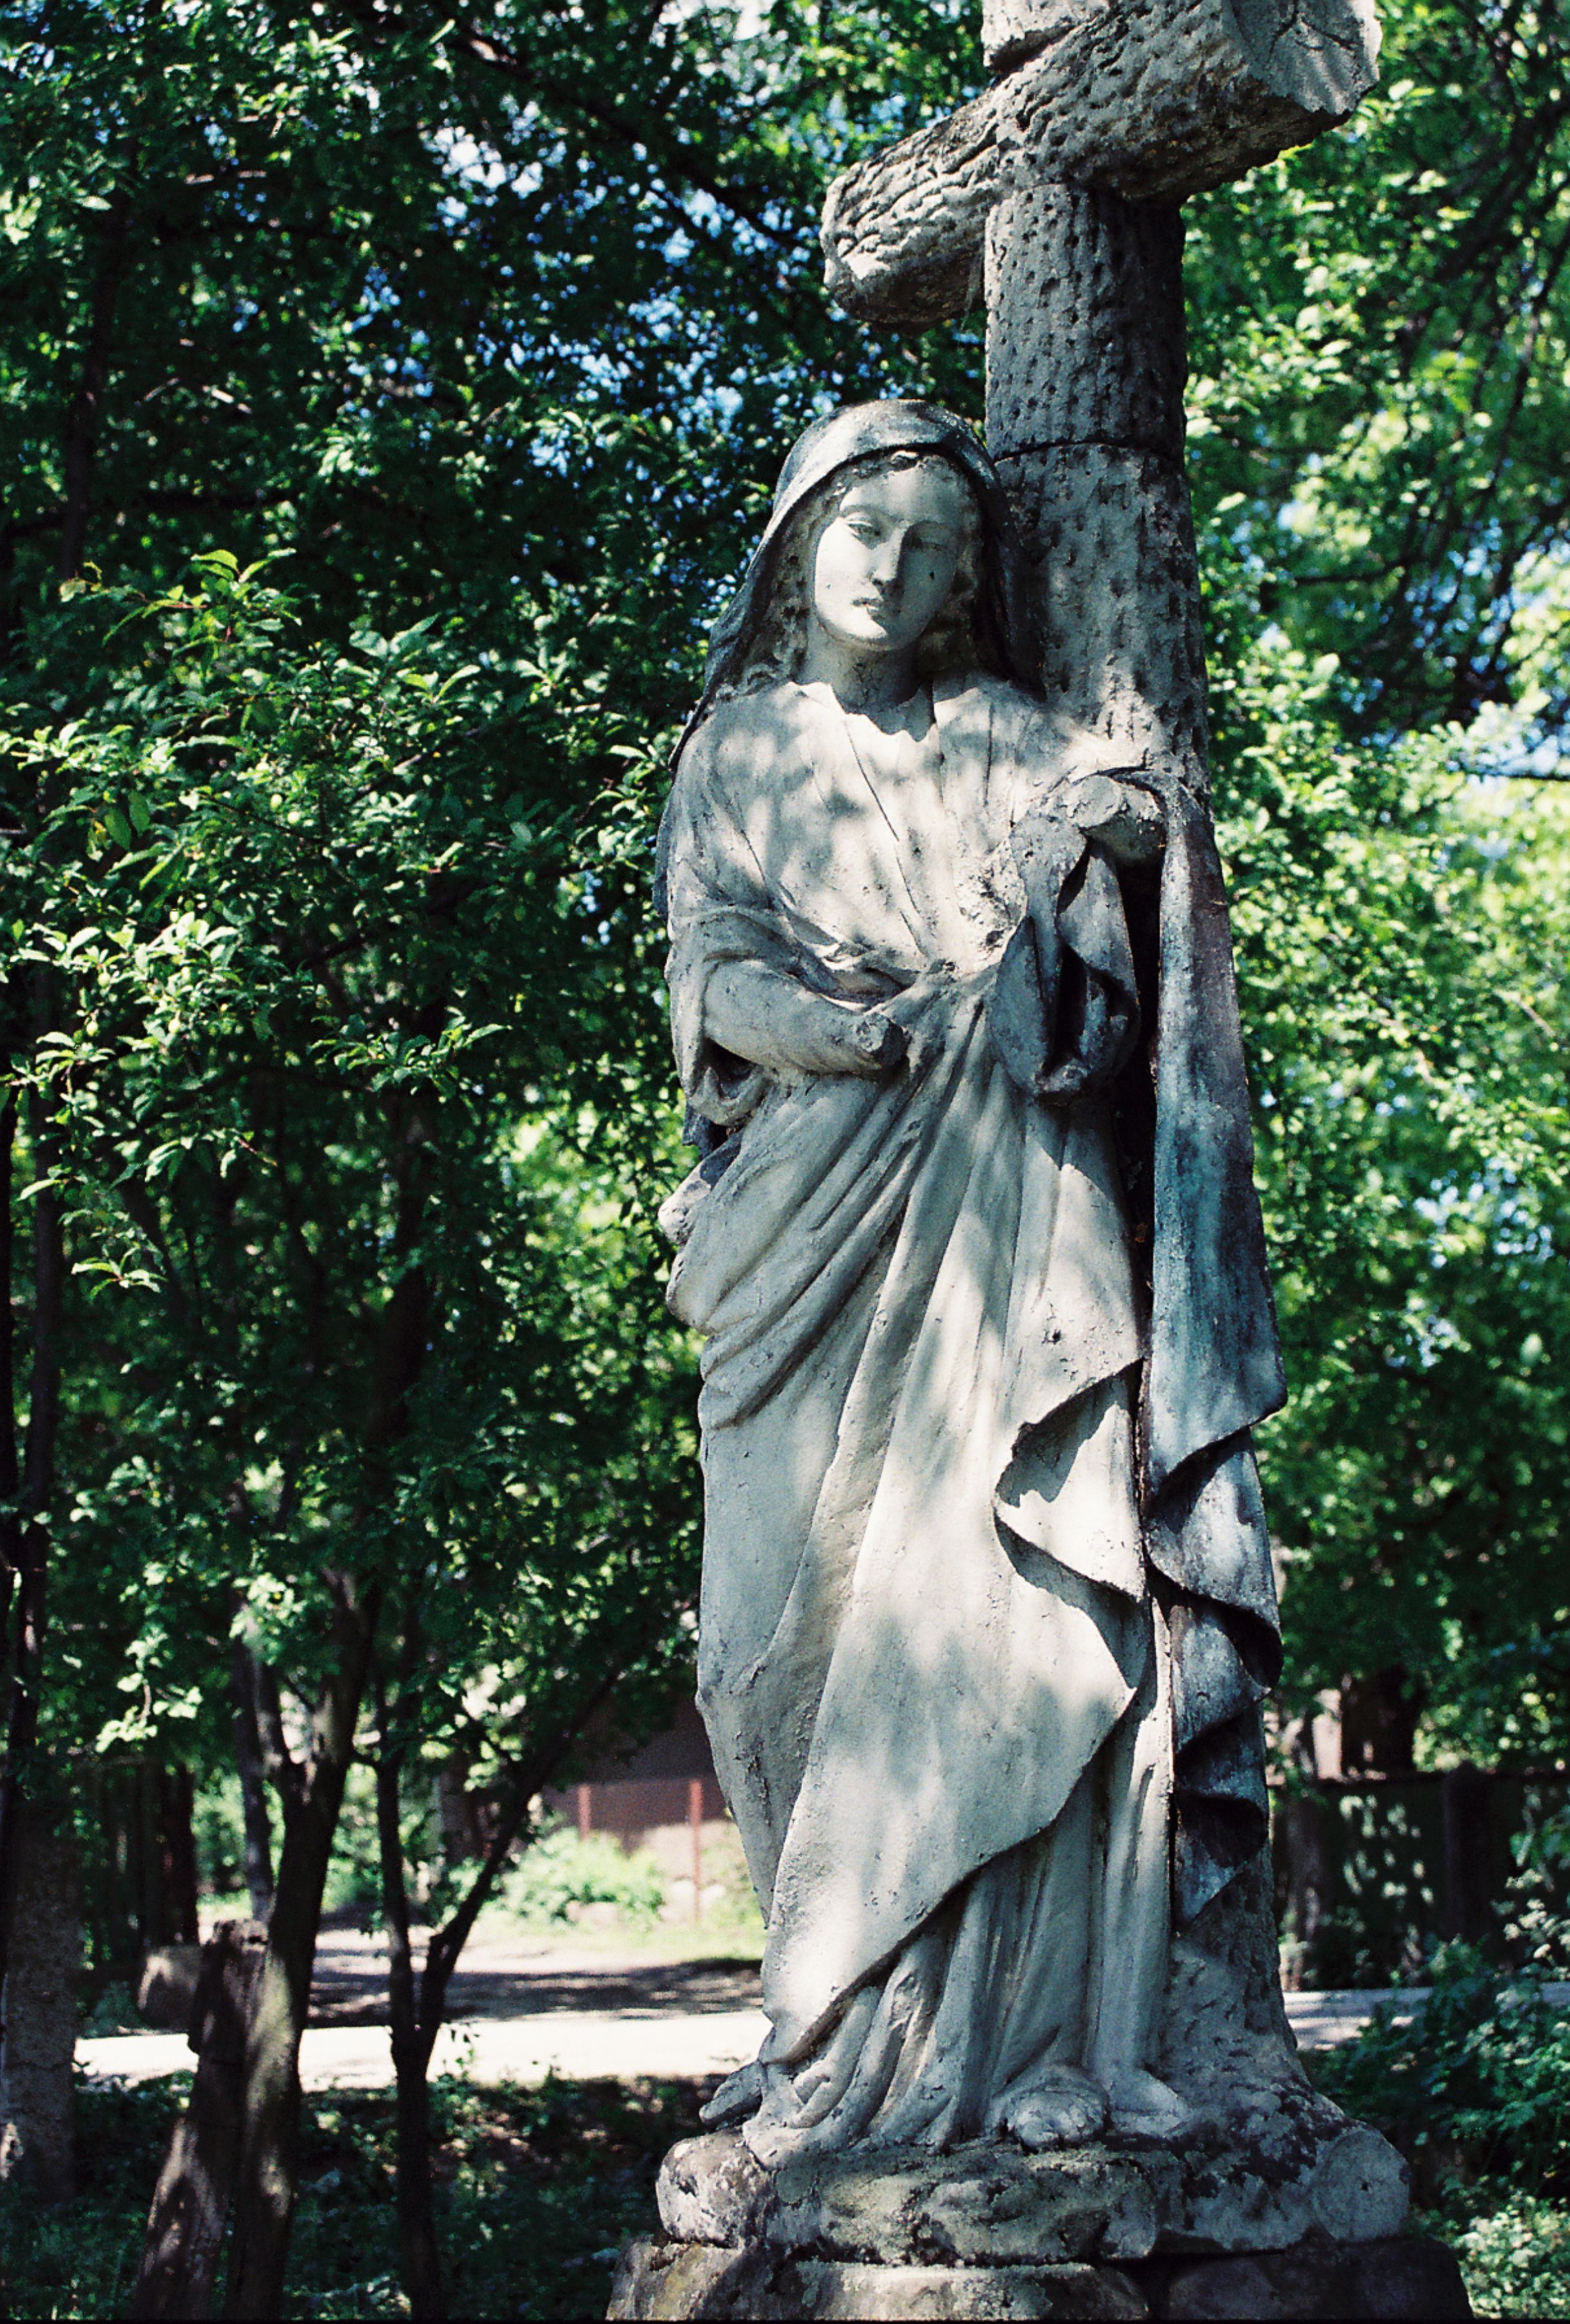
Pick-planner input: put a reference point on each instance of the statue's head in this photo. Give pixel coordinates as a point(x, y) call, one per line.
point(890, 528)
point(884, 556)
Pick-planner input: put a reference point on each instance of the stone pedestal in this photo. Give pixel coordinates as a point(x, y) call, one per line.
point(1302, 2223)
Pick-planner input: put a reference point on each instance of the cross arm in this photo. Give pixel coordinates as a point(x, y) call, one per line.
point(1153, 102)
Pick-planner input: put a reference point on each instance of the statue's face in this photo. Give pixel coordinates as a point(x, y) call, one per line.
point(885, 561)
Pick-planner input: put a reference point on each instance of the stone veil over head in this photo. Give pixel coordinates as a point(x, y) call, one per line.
point(1003, 644)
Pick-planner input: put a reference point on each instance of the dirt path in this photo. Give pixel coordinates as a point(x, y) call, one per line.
point(524, 2008)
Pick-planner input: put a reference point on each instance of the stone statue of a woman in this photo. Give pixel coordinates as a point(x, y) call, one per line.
point(973, 1248)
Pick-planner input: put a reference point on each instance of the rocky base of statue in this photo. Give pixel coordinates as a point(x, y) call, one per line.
point(1302, 2221)
point(1399, 2277)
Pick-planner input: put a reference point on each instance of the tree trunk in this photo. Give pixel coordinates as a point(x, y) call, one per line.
point(1379, 1723)
point(84, 417)
point(248, 1763)
point(1303, 1824)
point(269, 2151)
point(39, 2050)
point(31, 1537)
point(191, 2206)
point(1467, 1909)
point(418, 2008)
point(10, 1457)
point(265, 2190)
point(419, 2251)
point(177, 1855)
point(40, 1902)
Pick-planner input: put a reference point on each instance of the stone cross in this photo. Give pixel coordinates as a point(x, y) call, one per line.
point(1056, 195)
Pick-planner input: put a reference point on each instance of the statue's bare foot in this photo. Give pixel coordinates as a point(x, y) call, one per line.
point(1061, 2107)
point(1143, 2108)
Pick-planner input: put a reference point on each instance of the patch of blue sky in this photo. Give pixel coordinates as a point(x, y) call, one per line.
point(377, 297)
point(482, 168)
point(1517, 1229)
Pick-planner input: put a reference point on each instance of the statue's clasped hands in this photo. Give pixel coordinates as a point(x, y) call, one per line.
point(913, 1027)
point(1125, 818)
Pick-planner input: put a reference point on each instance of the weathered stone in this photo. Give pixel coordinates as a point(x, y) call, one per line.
point(1101, 2206)
point(1153, 104)
point(1306, 2175)
point(1226, 2044)
point(1085, 362)
point(665, 2280)
point(1394, 2279)
point(980, 2203)
point(1095, 351)
point(1356, 2195)
point(893, 2016)
point(714, 2190)
point(673, 2279)
point(1127, 660)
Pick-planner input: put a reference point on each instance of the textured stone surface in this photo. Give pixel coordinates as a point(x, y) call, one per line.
point(1087, 291)
point(1085, 362)
point(674, 2280)
point(1109, 540)
point(1154, 104)
point(1226, 2045)
point(1307, 2174)
point(1303, 52)
point(980, 2204)
point(1395, 2279)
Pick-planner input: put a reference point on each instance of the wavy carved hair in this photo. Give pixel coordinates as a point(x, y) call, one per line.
point(779, 647)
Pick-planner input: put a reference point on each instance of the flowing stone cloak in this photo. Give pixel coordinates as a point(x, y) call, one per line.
point(933, 1524)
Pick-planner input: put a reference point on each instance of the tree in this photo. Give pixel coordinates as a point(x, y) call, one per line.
point(1380, 326)
point(388, 299)
point(460, 351)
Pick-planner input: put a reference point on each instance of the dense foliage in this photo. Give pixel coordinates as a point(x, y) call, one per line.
point(392, 396)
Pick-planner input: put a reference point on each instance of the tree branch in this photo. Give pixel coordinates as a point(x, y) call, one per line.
point(82, 419)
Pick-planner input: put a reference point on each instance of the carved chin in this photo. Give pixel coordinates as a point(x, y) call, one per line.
point(862, 628)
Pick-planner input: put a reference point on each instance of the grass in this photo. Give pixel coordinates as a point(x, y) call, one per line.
point(537, 2190)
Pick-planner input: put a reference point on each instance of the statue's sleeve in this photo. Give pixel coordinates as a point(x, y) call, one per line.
point(718, 910)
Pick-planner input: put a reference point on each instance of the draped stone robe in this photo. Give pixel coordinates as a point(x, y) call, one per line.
point(934, 1672)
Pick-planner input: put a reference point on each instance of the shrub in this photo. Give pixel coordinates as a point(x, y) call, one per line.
point(1477, 2086)
point(561, 1873)
point(1475, 2092)
point(1517, 2259)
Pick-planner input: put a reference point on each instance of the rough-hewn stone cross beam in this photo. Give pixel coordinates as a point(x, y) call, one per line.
point(1054, 195)
point(1151, 102)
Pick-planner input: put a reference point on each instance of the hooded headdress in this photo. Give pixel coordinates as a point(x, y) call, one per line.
point(862, 431)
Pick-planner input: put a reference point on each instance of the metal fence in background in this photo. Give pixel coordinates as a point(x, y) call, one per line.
point(1372, 1875)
